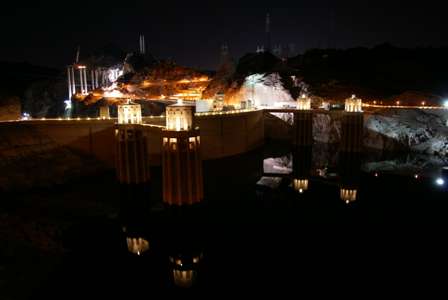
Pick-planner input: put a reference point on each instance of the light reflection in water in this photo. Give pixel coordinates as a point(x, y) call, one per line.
point(137, 246)
point(185, 269)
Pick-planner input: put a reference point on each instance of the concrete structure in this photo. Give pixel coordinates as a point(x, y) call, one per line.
point(352, 126)
point(129, 113)
point(81, 84)
point(142, 45)
point(353, 104)
point(104, 112)
point(303, 122)
point(132, 159)
point(180, 117)
point(181, 158)
point(223, 134)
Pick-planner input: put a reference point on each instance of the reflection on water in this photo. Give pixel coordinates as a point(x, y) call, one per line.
point(350, 172)
point(170, 234)
point(137, 246)
point(304, 165)
point(301, 167)
point(185, 269)
point(295, 185)
point(300, 185)
point(348, 195)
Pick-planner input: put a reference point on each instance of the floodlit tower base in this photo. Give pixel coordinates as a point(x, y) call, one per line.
point(182, 168)
point(303, 128)
point(132, 162)
point(352, 132)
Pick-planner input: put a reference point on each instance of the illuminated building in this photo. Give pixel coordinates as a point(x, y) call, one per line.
point(185, 269)
point(304, 103)
point(301, 168)
point(181, 160)
point(352, 126)
point(129, 113)
point(353, 104)
point(303, 122)
point(131, 146)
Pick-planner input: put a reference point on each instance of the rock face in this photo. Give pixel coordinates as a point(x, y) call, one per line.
point(419, 131)
point(422, 131)
point(408, 164)
point(327, 128)
point(45, 98)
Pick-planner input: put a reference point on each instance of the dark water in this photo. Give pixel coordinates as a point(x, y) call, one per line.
point(254, 231)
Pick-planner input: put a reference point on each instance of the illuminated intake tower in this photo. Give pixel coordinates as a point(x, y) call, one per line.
point(352, 126)
point(132, 162)
point(181, 160)
point(303, 122)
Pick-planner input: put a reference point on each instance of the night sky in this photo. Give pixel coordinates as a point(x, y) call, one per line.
point(191, 32)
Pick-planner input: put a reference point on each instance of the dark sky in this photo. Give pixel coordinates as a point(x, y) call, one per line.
point(191, 32)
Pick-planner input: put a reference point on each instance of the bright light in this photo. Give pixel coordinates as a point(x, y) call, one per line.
point(254, 79)
point(445, 104)
point(68, 104)
point(113, 74)
point(353, 104)
point(113, 94)
point(25, 116)
point(440, 181)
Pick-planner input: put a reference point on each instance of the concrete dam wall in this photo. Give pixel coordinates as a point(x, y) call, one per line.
point(222, 135)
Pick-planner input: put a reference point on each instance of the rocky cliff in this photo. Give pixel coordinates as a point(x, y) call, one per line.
point(422, 131)
point(389, 130)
